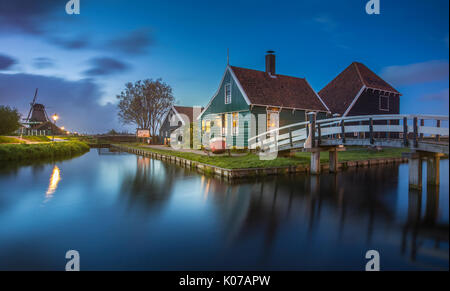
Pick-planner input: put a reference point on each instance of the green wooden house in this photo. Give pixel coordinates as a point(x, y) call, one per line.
point(250, 102)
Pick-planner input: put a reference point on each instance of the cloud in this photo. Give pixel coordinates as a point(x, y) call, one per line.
point(326, 22)
point(28, 16)
point(76, 102)
point(105, 66)
point(439, 96)
point(134, 43)
point(6, 62)
point(37, 17)
point(70, 44)
point(417, 73)
point(43, 63)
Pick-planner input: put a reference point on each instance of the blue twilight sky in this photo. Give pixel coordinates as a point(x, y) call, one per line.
point(81, 62)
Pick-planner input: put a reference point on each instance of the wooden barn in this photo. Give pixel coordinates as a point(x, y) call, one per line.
point(359, 91)
point(176, 117)
point(248, 102)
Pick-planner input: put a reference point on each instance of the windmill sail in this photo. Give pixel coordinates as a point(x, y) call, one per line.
point(32, 105)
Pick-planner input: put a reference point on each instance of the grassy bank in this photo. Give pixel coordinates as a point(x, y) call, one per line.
point(7, 139)
point(15, 152)
point(39, 138)
point(252, 160)
point(16, 139)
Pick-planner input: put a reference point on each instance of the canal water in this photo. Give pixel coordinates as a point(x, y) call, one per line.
point(125, 212)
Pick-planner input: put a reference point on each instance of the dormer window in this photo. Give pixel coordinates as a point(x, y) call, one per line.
point(227, 93)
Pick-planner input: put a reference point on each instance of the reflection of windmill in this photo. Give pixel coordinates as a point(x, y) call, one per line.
point(37, 114)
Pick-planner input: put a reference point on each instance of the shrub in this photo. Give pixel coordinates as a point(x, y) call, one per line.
point(9, 120)
point(12, 152)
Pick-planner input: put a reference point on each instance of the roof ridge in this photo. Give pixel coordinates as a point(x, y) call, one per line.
point(359, 73)
point(281, 75)
point(183, 106)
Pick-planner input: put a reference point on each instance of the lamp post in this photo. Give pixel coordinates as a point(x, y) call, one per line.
point(55, 117)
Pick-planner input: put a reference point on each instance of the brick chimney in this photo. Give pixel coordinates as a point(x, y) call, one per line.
point(270, 62)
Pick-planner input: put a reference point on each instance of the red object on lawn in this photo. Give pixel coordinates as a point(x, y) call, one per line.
point(217, 145)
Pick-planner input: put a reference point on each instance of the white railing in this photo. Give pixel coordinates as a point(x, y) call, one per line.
point(409, 128)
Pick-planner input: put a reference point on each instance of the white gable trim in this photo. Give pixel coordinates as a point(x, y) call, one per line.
point(354, 100)
point(240, 86)
point(228, 69)
point(178, 115)
point(317, 95)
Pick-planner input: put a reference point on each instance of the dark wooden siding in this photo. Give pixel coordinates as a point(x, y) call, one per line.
point(369, 102)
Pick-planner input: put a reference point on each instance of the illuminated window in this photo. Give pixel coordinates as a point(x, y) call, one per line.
point(235, 123)
point(225, 124)
point(227, 93)
point(203, 126)
point(273, 120)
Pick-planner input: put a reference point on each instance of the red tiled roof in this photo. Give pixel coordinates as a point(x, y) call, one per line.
point(278, 90)
point(372, 80)
point(188, 111)
point(340, 93)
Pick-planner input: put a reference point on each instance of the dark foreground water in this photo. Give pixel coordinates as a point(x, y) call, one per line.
point(123, 212)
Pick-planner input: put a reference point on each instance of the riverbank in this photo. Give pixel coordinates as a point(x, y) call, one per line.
point(23, 140)
point(249, 165)
point(17, 152)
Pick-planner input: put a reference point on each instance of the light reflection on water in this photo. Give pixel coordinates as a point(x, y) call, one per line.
point(54, 180)
point(121, 211)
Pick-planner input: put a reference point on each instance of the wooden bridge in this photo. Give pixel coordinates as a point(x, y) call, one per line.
point(427, 137)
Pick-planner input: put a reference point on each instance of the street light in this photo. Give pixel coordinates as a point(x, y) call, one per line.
point(55, 117)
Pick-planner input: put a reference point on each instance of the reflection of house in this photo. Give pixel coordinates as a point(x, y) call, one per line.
point(249, 102)
point(359, 91)
point(176, 117)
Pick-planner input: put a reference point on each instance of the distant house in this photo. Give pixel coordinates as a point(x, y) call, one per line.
point(359, 91)
point(250, 101)
point(176, 117)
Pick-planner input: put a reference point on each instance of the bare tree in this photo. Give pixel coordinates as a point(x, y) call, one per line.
point(144, 103)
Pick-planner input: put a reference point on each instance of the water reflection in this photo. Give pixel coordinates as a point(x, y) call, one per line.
point(358, 198)
point(423, 233)
point(54, 181)
point(149, 186)
point(135, 213)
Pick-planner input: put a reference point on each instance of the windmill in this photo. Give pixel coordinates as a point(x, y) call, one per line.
point(37, 114)
point(37, 120)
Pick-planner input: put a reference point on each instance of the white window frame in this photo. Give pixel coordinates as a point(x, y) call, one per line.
point(225, 124)
point(235, 130)
point(379, 103)
point(227, 96)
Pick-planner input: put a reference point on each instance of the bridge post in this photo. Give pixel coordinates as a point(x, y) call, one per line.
point(372, 140)
point(312, 123)
point(438, 137)
point(333, 160)
point(315, 162)
point(388, 134)
point(405, 132)
point(315, 151)
point(416, 132)
point(343, 131)
point(433, 162)
point(422, 123)
point(415, 171)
